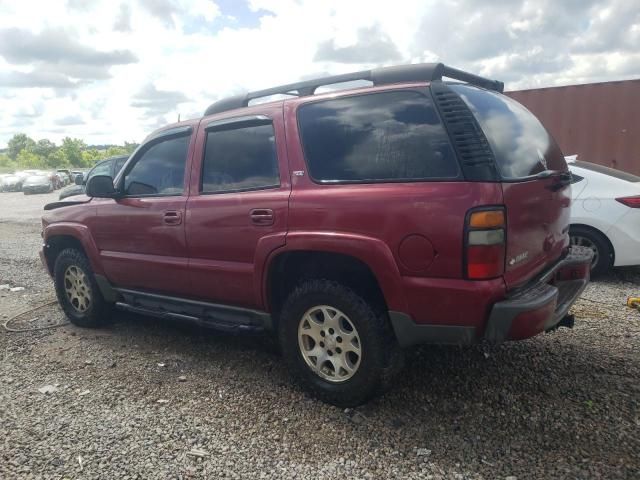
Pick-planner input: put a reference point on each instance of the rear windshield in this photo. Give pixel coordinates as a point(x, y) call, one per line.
point(521, 145)
point(607, 171)
point(380, 137)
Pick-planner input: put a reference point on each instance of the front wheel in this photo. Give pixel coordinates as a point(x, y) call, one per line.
point(78, 292)
point(337, 346)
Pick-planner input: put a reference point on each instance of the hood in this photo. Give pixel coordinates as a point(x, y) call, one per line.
point(76, 200)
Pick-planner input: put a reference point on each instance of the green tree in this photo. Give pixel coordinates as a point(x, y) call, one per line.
point(91, 156)
point(6, 164)
point(19, 142)
point(114, 151)
point(28, 159)
point(72, 151)
point(130, 147)
point(44, 148)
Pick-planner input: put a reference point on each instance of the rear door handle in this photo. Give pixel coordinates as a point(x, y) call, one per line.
point(262, 216)
point(172, 217)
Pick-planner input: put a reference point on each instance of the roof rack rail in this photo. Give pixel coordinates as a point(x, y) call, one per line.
point(379, 76)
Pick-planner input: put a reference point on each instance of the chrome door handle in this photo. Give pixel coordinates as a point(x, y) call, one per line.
point(262, 216)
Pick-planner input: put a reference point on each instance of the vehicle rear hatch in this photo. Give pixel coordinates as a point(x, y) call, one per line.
point(535, 182)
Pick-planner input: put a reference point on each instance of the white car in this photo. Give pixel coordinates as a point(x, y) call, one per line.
point(605, 214)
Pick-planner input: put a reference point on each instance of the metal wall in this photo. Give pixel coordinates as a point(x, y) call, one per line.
point(599, 121)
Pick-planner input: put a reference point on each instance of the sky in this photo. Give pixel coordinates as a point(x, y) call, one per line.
point(109, 71)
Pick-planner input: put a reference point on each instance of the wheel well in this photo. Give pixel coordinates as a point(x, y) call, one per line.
point(290, 268)
point(597, 232)
point(57, 244)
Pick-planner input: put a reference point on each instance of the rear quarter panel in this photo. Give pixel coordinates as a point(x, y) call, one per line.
point(419, 224)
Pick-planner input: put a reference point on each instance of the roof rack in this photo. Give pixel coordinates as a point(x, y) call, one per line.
point(418, 72)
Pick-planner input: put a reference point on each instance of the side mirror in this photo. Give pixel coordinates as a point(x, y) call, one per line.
point(100, 186)
point(79, 180)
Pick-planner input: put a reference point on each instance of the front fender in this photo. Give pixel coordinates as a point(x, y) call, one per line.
point(82, 234)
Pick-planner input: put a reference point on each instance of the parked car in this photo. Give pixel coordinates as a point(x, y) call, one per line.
point(110, 166)
point(605, 215)
point(351, 223)
point(2, 182)
point(65, 173)
point(12, 183)
point(40, 183)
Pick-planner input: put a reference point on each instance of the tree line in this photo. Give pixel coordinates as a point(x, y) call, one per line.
point(23, 152)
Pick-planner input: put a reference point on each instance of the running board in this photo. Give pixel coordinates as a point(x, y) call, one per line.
point(212, 315)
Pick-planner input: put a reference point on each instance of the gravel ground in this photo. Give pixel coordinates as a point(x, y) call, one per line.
point(147, 399)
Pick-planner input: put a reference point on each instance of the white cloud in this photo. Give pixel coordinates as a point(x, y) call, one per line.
point(113, 71)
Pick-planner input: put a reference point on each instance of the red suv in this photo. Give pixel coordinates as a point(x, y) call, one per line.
point(351, 223)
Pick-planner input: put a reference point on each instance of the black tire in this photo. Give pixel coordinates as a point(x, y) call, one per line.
point(98, 312)
point(599, 243)
point(381, 357)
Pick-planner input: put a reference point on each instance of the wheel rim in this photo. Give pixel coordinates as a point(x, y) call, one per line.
point(580, 241)
point(329, 343)
point(76, 287)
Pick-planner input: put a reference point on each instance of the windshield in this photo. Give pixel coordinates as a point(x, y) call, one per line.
point(520, 143)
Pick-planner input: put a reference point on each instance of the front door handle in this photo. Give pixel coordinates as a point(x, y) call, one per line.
point(262, 216)
point(172, 217)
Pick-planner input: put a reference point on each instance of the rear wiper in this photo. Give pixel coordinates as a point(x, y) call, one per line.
point(563, 179)
point(547, 173)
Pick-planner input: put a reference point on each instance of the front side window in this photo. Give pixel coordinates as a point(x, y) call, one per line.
point(390, 136)
point(119, 164)
point(240, 159)
point(521, 145)
point(103, 168)
point(160, 169)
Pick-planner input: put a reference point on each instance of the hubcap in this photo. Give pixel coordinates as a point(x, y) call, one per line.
point(329, 343)
point(579, 241)
point(76, 286)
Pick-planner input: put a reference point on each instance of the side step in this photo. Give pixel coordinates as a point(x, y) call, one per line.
point(219, 317)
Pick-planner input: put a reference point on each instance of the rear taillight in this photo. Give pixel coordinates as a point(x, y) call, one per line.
point(485, 243)
point(632, 202)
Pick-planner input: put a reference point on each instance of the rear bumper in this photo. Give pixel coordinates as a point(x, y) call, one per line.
point(542, 305)
point(538, 307)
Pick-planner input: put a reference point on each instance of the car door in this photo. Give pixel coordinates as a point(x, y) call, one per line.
point(140, 234)
point(237, 213)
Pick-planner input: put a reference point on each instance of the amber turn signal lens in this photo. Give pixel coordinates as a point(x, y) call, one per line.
point(487, 219)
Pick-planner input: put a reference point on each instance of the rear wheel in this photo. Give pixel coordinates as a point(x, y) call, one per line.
point(78, 292)
point(336, 345)
point(602, 253)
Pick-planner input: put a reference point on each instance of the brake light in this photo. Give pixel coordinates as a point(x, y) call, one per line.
point(485, 241)
point(631, 202)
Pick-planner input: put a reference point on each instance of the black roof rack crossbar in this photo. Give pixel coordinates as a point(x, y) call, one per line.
point(419, 72)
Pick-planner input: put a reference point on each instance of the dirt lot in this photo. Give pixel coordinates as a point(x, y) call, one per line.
point(134, 400)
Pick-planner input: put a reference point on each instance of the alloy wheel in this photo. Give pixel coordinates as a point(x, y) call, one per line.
point(329, 343)
point(77, 289)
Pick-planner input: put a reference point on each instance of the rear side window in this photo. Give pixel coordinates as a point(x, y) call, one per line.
point(240, 159)
point(520, 143)
point(390, 136)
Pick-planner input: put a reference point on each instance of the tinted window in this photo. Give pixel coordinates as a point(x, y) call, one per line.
point(240, 159)
point(160, 169)
point(119, 164)
point(376, 137)
point(103, 168)
point(522, 146)
point(612, 172)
